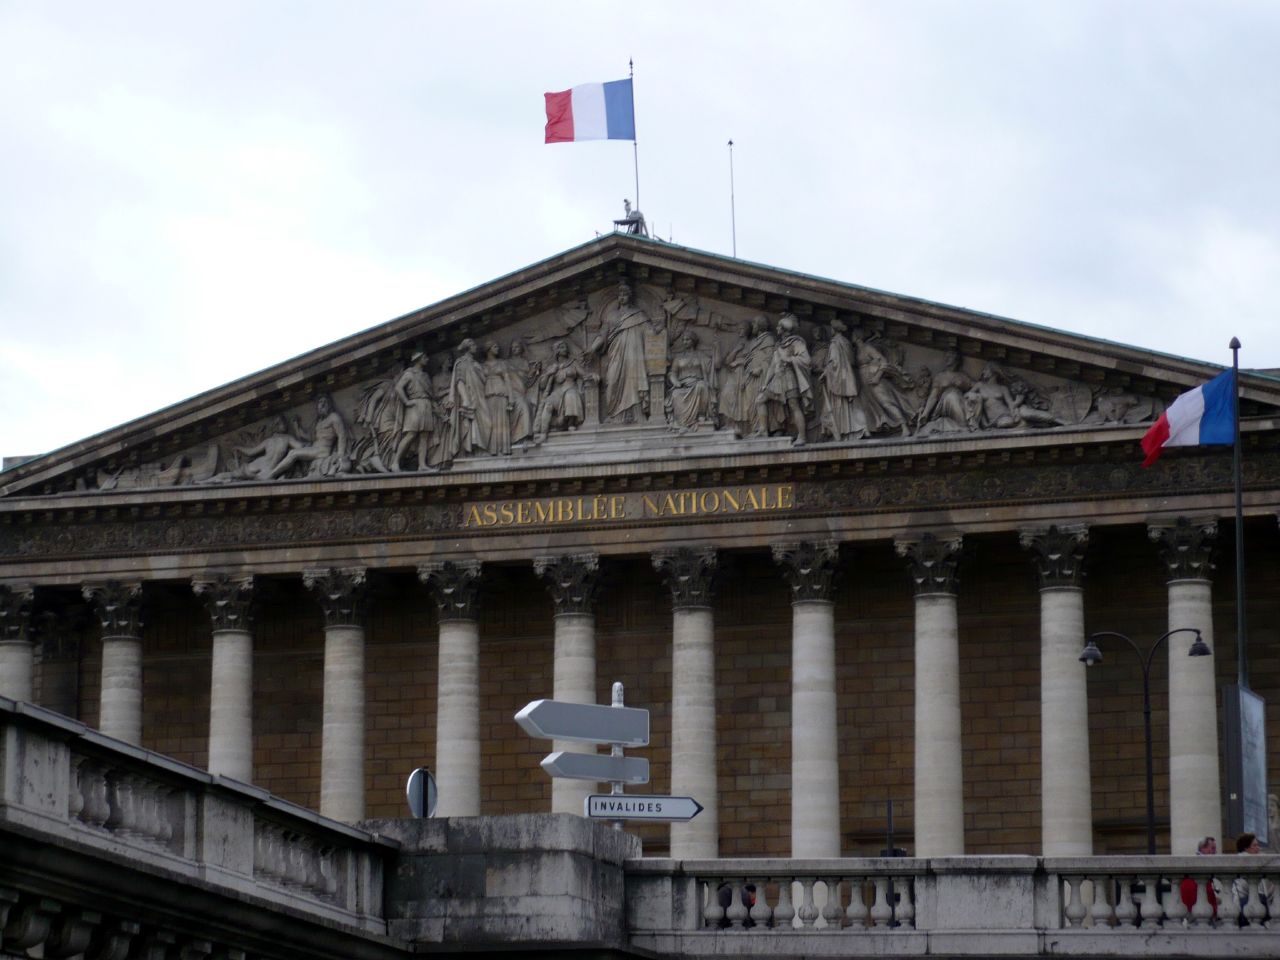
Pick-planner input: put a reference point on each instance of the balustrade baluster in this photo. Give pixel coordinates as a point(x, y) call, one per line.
point(857, 912)
point(1175, 911)
point(1126, 912)
point(1202, 909)
point(881, 911)
point(784, 913)
point(1254, 909)
point(808, 912)
point(1152, 912)
point(1074, 911)
point(737, 911)
point(760, 912)
point(832, 913)
point(1229, 904)
point(712, 912)
point(903, 903)
point(1101, 911)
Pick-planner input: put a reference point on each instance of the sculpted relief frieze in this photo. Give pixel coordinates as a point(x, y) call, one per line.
point(638, 362)
point(49, 537)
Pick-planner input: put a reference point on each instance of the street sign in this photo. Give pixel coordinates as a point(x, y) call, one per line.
point(421, 793)
point(634, 806)
point(586, 722)
point(599, 767)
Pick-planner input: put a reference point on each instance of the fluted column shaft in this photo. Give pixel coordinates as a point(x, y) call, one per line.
point(231, 690)
point(457, 772)
point(120, 698)
point(342, 594)
point(939, 776)
point(1066, 827)
point(572, 581)
point(1195, 799)
point(815, 765)
point(17, 652)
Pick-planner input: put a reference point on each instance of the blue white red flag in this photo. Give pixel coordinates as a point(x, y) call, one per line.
point(591, 111)
point(1200, 417)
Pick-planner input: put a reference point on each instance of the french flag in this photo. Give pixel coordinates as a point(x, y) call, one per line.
point(591, 111)
point(1199, 417)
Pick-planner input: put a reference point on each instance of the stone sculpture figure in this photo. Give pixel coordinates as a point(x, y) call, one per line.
point(692, 379)
point(839, 414)
point(522, 380)
point(327, 452)
point(757, 359)
point(416, 417)
point(1118, 406)
point(944, 409)
point(729, 392)
point(884, 397)
point(497, 395)
point(470, 425)
point(621, 345)
point(991, 404)
point(560, 400)
point(276, 442)
point(786, 392)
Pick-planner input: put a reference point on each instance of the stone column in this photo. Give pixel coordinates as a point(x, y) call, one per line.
point(939, 778)
point(455, 586)
point(690, 574)
point(17, 652)
point(120, 699)
point(228, 601)
point(341, 594)
point(1066, 828)
point(815, 766)
point(572, 582)
point(1195, 805)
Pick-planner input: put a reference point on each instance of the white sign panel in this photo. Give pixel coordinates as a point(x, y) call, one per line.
point(599, 767)
point(634, 806)
point(586, 722)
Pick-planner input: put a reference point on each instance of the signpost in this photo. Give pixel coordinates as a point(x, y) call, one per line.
point(619, 726)
point(635, 806)
point(600, 767)
point(585, 722)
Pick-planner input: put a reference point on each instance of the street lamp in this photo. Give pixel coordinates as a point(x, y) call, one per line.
point(1092, 655)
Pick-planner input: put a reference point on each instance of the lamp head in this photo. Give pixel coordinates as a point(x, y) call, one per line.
point(1091, 655)
point(1199, 648)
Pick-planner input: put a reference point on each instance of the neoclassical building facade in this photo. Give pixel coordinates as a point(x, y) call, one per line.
point(845, 546)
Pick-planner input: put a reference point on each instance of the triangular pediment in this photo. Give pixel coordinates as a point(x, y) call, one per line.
point(552, 367)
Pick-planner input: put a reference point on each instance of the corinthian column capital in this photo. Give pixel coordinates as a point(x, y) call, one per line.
point(571, 580)
point(117, 607)
point(455, 585)
point(1057, 552)
point(1186, 547)
point(689, 574)
point(15, 612)
point(933, 562)
point(228, 599)
point(341, 593)
point(808, 567)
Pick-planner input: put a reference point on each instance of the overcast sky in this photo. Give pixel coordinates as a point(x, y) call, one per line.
point(195, 191)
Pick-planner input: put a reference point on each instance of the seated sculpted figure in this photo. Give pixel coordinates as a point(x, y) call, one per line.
point(327, 452)
point(560, 401)
point(944, 409)
point(691, 400)
point(265, 455)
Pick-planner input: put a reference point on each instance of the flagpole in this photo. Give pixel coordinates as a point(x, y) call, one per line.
point(1242, 654)
point(635, 142)
point(733, 214)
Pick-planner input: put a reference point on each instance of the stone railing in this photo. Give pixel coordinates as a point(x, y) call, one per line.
point(956, 906)
point(124, 820)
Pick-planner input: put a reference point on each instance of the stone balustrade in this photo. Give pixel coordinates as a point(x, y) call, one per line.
point(80, 811)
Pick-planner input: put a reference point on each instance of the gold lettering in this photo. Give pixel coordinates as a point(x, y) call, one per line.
point(507, 512)
point(650, 506)
point(473, 518)
point(669, 505)
point(751, 500)
point(764, 500)
point(490, 514)
point(731, 502)
point(522, 513)
point(786, 496)
point(617, 507)
point(709, 501)
point(541, 511)
point(597, 507)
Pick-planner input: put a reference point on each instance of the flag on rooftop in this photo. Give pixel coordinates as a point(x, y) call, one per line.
point(591, 111)
point(1203, 416)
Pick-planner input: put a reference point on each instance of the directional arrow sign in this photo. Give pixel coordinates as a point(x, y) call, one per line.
point(596, 766)
point(634, 806)
point(587, 722)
